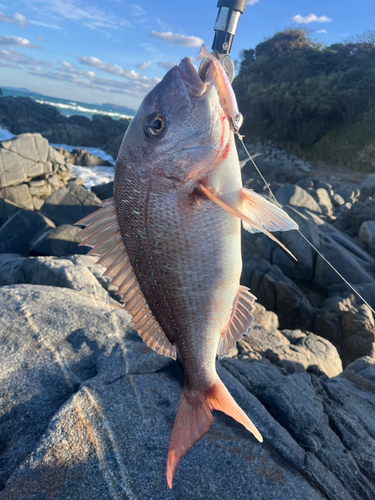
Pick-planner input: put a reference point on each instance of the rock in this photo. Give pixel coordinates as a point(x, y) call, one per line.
point(83, 158)
point(361, 212)
point(350, 327)
point(58, 242)
point(22, 114)
point(367, 187)
point(22, 158)
point(337, 200)
point(292, 350)
point(73, 273)
point(324, 185)
point(324, 201)
point(295, 195)
point(70, 204)
point(367, 235)
point(103, 191)
point(305, 183)
point(7, 209)
point(29, 172)
point(82, 395)
point(277, 293)
point(51, 352)
point(19, 195)
point(303, 269)
point(16, 233)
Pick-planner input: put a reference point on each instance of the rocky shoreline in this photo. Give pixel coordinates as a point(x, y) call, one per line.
point(86, 409)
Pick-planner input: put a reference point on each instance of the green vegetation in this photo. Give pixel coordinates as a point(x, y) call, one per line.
point(301, 94)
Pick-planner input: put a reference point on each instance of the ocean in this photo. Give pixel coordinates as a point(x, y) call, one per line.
point(69, 107)
point(92, 176)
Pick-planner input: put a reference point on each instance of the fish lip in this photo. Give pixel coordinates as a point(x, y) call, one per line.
point(194, 84)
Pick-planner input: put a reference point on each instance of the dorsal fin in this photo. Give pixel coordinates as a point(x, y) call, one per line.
point(239, 322)
point(102, 232)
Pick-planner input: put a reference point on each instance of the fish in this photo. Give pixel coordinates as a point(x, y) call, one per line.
point(170, 239)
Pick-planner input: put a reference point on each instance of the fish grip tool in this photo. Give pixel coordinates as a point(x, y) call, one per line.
point(225, 29)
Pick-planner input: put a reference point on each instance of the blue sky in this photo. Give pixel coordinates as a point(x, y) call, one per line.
point(115, 51)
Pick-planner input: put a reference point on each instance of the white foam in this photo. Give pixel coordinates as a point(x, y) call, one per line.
point(93, 176)
point(82, 109)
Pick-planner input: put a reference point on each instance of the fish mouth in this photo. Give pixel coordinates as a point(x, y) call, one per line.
point(196, 83)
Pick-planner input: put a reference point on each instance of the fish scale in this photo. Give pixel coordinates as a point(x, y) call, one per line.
point(193, 257)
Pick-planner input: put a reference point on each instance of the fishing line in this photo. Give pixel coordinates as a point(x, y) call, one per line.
point(303, 236)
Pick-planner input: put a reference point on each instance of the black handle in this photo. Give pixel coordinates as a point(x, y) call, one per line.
point(226, 24)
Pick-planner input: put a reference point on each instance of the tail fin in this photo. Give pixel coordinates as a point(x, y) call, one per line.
point(194, 418)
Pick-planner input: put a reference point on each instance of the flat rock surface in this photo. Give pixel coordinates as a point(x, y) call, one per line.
point(87, 410)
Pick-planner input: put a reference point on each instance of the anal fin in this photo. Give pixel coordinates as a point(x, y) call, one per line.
point(239, 323)
point(102, 232)
point(257, 214)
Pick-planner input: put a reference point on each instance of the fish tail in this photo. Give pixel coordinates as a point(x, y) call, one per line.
point(194, 418)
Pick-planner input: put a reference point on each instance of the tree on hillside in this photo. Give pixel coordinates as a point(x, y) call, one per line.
point(293, 89)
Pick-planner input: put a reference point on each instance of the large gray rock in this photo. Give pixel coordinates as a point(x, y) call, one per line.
point(295, 195)
point(349, 326)
point(7, 209)
point(83, 158)
point(48, 348)
point(70, 204)
point(17, 232)
point(77, 273)
point(368, 187)
point(59, 242)
point(291, 350)
point(87, 410)
point(103, 191)
point(22, 158)
point(18, 195)
point(367, 235)
point(278, 293)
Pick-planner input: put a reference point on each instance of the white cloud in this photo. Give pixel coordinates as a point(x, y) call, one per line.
point(17, 19)
point(80, 10)
point(39, 39)
point(109, 68)
point(252, 2)
point(136, 10)
point(311, 18)
point(181, 40)
point(46, 25)
point(11, 56)
point(166, 64)
point(16, 41)
point(21, 20)
point(143, 65)
point(322, 31)
point(135, 89)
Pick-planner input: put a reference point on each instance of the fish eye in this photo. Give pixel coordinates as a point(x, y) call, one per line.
point(155, 124)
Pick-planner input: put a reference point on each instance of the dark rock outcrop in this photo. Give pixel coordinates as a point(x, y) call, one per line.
point(22, 114)
point(83, 158)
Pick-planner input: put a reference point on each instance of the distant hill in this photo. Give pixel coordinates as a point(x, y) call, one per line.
point(312, 99)
point(19, 89)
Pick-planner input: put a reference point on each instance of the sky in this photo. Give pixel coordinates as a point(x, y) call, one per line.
point(115, 51)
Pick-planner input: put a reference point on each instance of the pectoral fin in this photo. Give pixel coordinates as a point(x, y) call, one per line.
point(257, 214)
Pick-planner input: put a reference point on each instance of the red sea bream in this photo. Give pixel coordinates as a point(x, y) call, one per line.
point(170, 239)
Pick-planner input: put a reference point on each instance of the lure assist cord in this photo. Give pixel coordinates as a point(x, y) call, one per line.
point(303, 236)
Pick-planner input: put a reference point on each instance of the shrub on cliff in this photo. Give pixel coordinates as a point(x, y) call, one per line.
point(292, 89)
